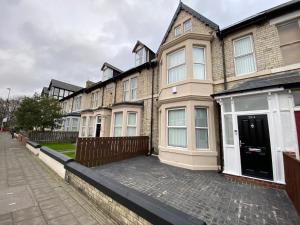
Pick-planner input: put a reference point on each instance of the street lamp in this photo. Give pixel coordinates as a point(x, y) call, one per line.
point(7, 114)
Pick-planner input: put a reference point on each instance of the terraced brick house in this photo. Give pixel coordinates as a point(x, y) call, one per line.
point(210, 98)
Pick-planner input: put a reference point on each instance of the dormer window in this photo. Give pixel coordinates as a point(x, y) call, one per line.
point(107, 74)
point(187, 26)
point(140, 56)
point(177, 30)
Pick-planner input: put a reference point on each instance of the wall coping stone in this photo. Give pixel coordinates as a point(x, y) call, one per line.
point(149, 208)
point(33, 144)
point(56, 155)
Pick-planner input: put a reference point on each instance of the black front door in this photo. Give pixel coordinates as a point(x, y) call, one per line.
point(98, 129)
point(255, 146)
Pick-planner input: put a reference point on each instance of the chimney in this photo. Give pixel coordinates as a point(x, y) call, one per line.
point(88, 83)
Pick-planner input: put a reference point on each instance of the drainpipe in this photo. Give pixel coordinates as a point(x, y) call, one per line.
point(102, 96)
point(151, 119)
point(115, 92)
point(224, 64)
point(219, 107)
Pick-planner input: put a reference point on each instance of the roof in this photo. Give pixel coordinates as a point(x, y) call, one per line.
point(121, 75)
point(138, 43)
point(262, 16)
point(111, 66)
point(191, 11)
point(64, 85)
point(45, 90)
point(285, 79)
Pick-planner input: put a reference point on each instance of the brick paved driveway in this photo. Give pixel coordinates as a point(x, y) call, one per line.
point(31, 194)
point(206, 195)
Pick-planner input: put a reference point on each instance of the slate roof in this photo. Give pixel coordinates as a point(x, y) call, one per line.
point(285, 79)
point(191, 11)
point(64, 85)
point(138, 43)
point(111, 66)
point(45, 90)
point(263, 16)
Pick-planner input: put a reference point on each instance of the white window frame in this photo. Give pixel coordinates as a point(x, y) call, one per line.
point(91, 124)
point(94, 99)
point(126, 92)
point(83, 126)
point(182, 64)
point(140, 59)
point(77, 103)
point(131, 126)
point(204, 62)
point(202, 128)
point(253, 53)
point(130, 89)
point(108, 73)
point(119, 126)
point(72, 124)
point(184, 27)
point(167, 131)
point(177, 30)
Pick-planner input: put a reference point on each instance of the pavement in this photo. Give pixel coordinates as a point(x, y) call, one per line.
point(206, 195)
point(32, 194)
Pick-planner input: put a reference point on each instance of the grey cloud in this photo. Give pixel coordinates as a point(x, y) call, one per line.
point(69, 40)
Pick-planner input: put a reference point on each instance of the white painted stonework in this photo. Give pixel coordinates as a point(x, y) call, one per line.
point(34, 150)
point(282, 129)
point(53, 164)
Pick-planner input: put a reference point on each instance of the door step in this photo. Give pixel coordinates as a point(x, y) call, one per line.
point(249, 180)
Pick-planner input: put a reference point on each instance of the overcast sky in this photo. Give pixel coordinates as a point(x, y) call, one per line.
point(70, 40)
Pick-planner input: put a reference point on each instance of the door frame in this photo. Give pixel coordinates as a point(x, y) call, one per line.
point(96, 122)
point(237, 139)
point(271, 155)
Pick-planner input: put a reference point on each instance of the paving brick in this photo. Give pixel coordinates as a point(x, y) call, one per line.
point(204, 194)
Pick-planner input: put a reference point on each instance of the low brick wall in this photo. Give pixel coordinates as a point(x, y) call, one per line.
point(117, 211)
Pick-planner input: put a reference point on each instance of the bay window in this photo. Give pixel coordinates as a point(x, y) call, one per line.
point(91, 126)
point(75, 122)
point(131, 124)
point(67, 124)
point(244, 58)
point(83, 126)
point(201, 126)
point(176, 66)
point(118, 120)
point(198, 63)
point(177, 131)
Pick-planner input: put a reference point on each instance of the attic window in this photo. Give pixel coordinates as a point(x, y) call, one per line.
point(177, 30)
point(140, 56)
point(107, 74)
point(187, 25)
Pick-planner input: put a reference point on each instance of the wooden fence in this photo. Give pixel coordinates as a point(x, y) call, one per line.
point(93, 152)
point(292, 179)
point(43, 137)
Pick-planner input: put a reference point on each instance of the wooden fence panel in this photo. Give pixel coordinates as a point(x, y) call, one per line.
point(93, 152)
point(292, 179)
point(53, 136)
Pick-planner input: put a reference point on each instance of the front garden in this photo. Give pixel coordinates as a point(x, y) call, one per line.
point(65, 148)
